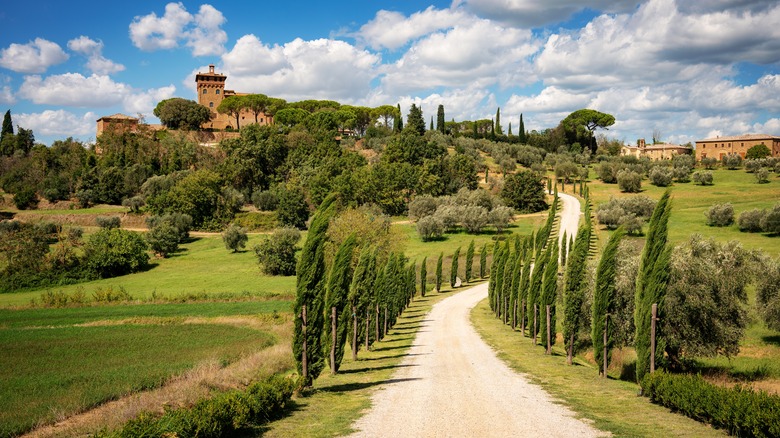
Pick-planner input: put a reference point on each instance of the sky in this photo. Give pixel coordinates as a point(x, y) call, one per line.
point(683, 70)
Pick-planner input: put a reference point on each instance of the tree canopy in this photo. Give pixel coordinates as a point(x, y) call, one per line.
point(579, 126)
point(178, 113)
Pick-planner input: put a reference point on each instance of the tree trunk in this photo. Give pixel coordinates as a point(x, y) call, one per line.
point(384, 332)
point(549, 329)
point(654, 317)
point(304, 359)
point(570, 352)
point(333, 322)
point(376, 325)
point(536, 313)
point(604, 352)
point(354, 333)
point(522, 319)
point(368, 326)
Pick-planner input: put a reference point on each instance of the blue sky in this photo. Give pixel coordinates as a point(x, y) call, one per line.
point(683, 70)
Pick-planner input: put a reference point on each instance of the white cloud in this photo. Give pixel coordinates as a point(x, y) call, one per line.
point(327, 69)
point(144, 102)
point(550, 99)
point(537, 13)
point(59, 122)
point(393, 30)
point(202, 32)
point(34, 57)
point(93, 50)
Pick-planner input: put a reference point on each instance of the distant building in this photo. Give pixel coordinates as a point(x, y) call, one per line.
point(118, 123)
point(718, 147)
point(211, 92)
point(661, 151)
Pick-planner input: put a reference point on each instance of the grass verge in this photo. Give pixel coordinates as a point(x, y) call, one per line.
point(612, 405)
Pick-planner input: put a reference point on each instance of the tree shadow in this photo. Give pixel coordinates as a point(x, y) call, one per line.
point(366, 369)
point(358, 386)
point(393, 356)
point(772, 339)
point(400, 347)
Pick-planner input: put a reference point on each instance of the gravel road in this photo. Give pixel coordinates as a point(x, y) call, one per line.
point(451, 384)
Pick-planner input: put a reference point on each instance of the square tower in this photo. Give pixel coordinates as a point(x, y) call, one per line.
point(211, 88)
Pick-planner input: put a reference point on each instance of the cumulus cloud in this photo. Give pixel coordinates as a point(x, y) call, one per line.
point(93, 50)
point(301, 69)
point(537, 13)
point(144, 102)
point(59, 122)
point(392, 30)
point(34, 57)
point(201, 32)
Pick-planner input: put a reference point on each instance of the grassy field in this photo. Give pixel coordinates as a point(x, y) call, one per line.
point(57, 362)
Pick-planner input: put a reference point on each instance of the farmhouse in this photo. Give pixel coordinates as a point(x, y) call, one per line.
point(661, 151)
point(118, 123)
point(718, 147)
point(211, 92)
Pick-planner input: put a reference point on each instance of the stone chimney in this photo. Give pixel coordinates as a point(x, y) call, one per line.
point(640, 143)
point(211, 68)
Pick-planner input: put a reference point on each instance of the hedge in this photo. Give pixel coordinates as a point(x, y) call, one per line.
point(220, 416)
point(739, 410)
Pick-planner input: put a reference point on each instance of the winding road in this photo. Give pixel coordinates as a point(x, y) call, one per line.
point(452, 384)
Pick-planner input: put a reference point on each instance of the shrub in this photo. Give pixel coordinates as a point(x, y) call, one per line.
point(448, 215)
point(681, 174)
point(276, 254)
point(500, 217)
point(108, 222)
point(113, 252)
point(134, 204)
point(629, 181)
point(180, 221)
point(731, 161)
point(235, 238)
point(770, 223)
point(752, 165)
point(709, 162)
point(702, 177)
point(762, 175)
point(758, 151)
point(422, 206)
point(739, 410)
point(661, 176)
point(630, 211)
point(430, 228)
point(768, 295)
point(163, 239)
point(720, 215)
point(265, 200)
point(293, 211)
point(750, 220)
point(524, 192)
point(473, 218)
point(26, 199)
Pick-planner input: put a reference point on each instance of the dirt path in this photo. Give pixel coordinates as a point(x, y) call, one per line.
point(570, 216)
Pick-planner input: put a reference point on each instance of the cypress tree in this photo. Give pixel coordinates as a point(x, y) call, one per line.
point(475, 132)
point(431, 125)
point(423, 276)
point(509, 133)
point(483, 261)
point(521, 131)
point(574, 290)
point(8, 125)
point(454, 268)
point(339, 281)
point(535, 292)
point(380, 291)
point(564, 249)
point(359, 290)
point(549, 295)
point(651, 284)
point(398, 126)
point(506, 292)
point(411, 282)
point(415, 120)
point(522, 288)
point(310, 292)
point(438, 272)
point(514, 302)
point(492, 280)
point(604, 298)
point(498, 121)
point(469, 261)
point(440, 124)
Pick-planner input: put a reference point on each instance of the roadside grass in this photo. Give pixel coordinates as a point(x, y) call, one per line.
point(613, 405)
point(339, 400)
point(201, 268)
point(48, 373)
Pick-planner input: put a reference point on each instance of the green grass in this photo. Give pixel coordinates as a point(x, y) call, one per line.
point(48, 372)
point(202, 266)
point(612, 405)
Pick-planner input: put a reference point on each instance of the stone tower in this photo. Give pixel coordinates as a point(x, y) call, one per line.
point(211, 89)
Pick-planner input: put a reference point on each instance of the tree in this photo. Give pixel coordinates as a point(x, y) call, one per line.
point(276, 254)
point(575, 290)
point(524, 192)
point(768, 295)
point(291, 116)
point(257, 104)
point(521, 136)
point(423, 276)
point(232, 106)
point(579, 126)
point(385, 113)
point(755, 152)
point(604, 299)
point(178, 113)
point(438, 272)
point(163, 239)
point(8, 125)
point(454, 269)
point(498, 129)
point(720, 215)
point(469, 261)
point(339, 281)
point(360, 295)
point(293, 210)
point(415, 121)
point(440, 121)
point(702, 177)
point(651, 284)
point(533, 310)
point(113, 252)
point(629, 181)
point(234, 237)
point(483, 261)
point(549, 296)
point(310, 296)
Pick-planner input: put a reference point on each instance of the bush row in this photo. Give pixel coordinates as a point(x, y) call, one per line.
point(220, 416)
point(740, 410)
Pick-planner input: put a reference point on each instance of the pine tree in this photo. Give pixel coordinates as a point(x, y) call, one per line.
point(521, 131)
point(310, 295)
point(604, 298)
point(498, 121)
point(440, 124)
point(651, 284)
point(339, 281)
point(423, 276)
point(438, 272)
point(454, 268)
point(574, 291)
point(469, 261)
point(549, 296)
point(483, 261)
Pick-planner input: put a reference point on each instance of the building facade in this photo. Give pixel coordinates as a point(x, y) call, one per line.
point(661, 151)
point(719, 147)
point(118, 123)
point(212, 91)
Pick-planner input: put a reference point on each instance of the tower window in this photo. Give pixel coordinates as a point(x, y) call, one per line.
point(211, 104)
point(205, 91)
point(217, 91)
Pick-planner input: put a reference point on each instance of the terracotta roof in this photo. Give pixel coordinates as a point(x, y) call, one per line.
point(742, 137)
point(117, 116)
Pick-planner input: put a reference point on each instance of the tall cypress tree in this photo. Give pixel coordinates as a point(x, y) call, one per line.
point(359, 297)
point(651, 284)
point(574, 291)
point(498, 121)
point(483, 261)
point(454, 268)
point(398, 126)
point(514, 302)
point(438, 271)
point(535, 292)
point(415, 120)
point(8, 125)
point(310, 292)
point(522, 288)
point(430, 127)
point(379, 294)
point(423, 276)
point(549, 294)
point(440, 124)
point(604, 298)
point(509, 132)
point(469, 261)
point(521, 131)
point(339, 281)
point(506, 293)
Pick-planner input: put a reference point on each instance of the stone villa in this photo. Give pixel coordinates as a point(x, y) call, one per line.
point(718, 147)
point(661, 151)
point(211, 92)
